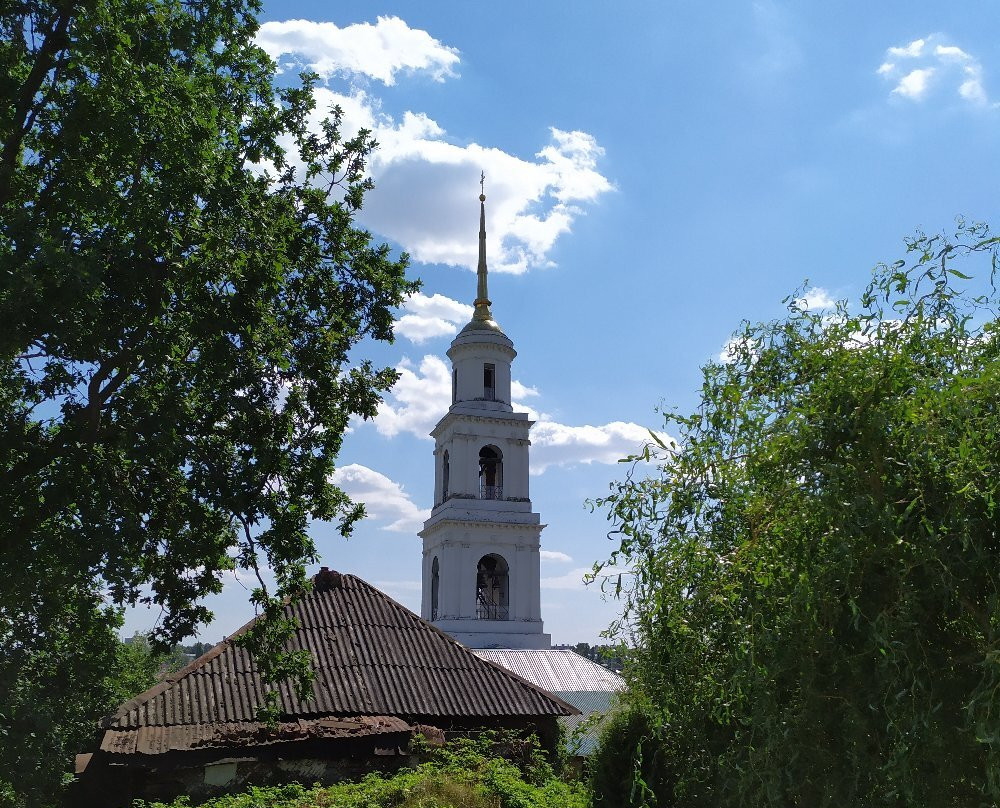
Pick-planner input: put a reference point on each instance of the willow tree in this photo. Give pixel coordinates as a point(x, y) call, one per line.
point(181, 284)
point(816, 599)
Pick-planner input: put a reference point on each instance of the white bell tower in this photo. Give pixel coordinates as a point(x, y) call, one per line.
point(481, 562)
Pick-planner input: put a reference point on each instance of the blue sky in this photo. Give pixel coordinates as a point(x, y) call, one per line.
point(656, 172)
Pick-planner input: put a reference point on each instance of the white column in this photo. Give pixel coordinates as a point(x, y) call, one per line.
point(522, 468)
point(472, 448)
point(450, 575)
point(534, 610)
point(468, 581)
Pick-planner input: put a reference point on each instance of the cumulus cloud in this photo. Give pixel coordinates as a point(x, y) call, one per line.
point(568, 580)
point(426, 187)
point(914, 83)
point(418, 400)
point(378, 51)
point(384, 499)
point(554, 555)
point(519, 391)
point(728, 353)
point(555, 444)
point(923, 64)
point(425, 180)
point(423, 394)
point(816, 297)
point(914, 49)
point(429, 317)
point(972, 88)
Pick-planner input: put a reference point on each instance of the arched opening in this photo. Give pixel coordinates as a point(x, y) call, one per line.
point(445, 476)
point(435, 583)
point(492, 588)
point(489, 381)
point(490, 473)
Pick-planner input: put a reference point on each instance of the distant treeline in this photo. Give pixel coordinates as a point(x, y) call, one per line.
point(608, 656)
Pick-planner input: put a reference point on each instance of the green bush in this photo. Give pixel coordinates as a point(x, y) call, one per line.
point(630, 767)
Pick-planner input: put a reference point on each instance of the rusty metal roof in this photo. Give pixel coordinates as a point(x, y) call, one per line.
point(372, 657)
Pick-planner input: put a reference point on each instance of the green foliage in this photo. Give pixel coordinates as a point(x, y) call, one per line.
point(815, 599)
point(138, 666)
point(181, 284)
point(633, 762)
point(85, 659)
point(52, 693)
point(466, 773)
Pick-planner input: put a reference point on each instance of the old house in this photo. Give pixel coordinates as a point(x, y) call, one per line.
point(382, 675)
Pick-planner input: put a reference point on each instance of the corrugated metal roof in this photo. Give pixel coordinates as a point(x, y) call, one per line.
point(372, 657)
point(555, 670)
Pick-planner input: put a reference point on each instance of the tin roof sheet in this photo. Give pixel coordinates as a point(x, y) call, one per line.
point(554, 669)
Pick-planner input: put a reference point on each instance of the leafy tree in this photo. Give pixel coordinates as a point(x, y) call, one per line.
point(52, 692)
point(181, 285)
point(816, 596)
point(137, 667)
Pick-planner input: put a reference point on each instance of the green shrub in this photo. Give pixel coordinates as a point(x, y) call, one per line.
point(629, 768)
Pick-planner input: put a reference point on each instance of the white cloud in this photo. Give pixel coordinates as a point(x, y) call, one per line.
point(914, 84)
point(383, 498)
point(423, 394)
point(554, 444)
point(418, 400)
point(816, 297)
point(520, 391)
point(426, 182)
point(426, 188)
point(972, 88)
point(728, 353)
point(951, 52)
point(378, 51)
point(915, 69)
point(429, 317)
point(568, 580)
point(914, 49)
point(554, 555)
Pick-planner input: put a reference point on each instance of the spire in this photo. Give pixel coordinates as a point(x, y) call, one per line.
point(482, 317)
point(482, 312)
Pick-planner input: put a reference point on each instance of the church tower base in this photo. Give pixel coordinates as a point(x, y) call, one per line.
point(496, 634)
